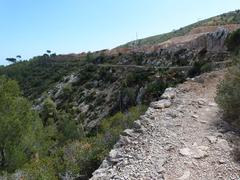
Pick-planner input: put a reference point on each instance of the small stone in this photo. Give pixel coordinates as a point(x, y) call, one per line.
point(195, 116)
point(128, 132)
point(169, 93)
point(113, 153)
point(222, 161)
point(161, 170)
point(212, 104)
point(161, 104)
point(137, 124)
point(185, 152)
point(124, 140)
point(201, 102)
point(186, 175)
point(105, 164)
point(223, 144)
point(212, 139)
point(172, 115)
point(203, 122)
point(141, 130)
point(200, 152)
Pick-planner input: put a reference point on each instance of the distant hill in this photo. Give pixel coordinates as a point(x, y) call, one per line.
point(223, 19)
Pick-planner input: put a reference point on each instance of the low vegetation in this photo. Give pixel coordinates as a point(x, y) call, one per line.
point(22, 134)
point(233, 41)
point(228, 96)
point(53, 145)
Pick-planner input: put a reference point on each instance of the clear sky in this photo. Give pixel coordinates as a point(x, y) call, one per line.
point(30, 27)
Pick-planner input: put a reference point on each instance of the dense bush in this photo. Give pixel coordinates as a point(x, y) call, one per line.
point(207, 67)
point(41, 169)
point(111, 127)
point(22, 135)
point(200, 67)
point(228, 94)
point(82, 157)
point(233, 41)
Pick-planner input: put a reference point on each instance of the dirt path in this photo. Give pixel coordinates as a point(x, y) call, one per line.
point(178, 68)
point(184, 139)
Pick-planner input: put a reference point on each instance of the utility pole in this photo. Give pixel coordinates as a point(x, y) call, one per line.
point(136, 42)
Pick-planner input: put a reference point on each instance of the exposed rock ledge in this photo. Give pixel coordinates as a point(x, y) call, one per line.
point(180, 137)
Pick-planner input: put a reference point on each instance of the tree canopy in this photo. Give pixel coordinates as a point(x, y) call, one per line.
point(22, 136)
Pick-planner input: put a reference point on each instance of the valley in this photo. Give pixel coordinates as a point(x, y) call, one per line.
point(103, 113)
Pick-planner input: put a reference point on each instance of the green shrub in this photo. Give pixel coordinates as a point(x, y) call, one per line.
point(68, 128)
point(40, 169)
point(196, 69)
point(84, 156)
point(233, 41)
point(206, 67)
point(112, 127)
point(200, 67)
point(136, 77)
point(67, 90)
point(155, 89)
point(21, 131)
point(228, 94)
point(49, 112)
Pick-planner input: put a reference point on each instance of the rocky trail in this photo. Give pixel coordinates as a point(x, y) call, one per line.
point(180, 137)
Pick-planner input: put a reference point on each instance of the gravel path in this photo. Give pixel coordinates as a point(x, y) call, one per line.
point(180, 137)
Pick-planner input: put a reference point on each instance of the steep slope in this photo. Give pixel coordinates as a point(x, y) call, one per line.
point(185, 139)
point(226, 18)
point(100, 84)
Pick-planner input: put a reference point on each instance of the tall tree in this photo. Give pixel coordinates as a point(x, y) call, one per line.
point(18, 57)
point(12, 60)
point(22, 135)
point(49, 51)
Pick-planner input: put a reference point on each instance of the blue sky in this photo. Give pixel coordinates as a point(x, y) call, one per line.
point(30, 27)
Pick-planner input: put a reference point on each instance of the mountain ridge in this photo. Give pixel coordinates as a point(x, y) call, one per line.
point(232, 17)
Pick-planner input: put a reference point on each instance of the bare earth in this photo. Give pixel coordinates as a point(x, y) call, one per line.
point(187, 140)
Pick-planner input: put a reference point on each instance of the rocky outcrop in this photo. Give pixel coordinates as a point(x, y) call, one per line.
point(207, 43)
point(207, 29)
point(213, 42)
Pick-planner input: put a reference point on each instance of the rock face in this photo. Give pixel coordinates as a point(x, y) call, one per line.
point(173, 144)
point(211, 41)
point(184, 50)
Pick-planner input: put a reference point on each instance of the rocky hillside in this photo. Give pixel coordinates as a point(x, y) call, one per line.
point(109, 85)
point(96, 85)
point(226, 18)
point(179, 137)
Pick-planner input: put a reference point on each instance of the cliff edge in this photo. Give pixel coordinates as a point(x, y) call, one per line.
point(182, 136)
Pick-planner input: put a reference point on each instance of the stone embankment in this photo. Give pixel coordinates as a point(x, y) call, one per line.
point(181, 136)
